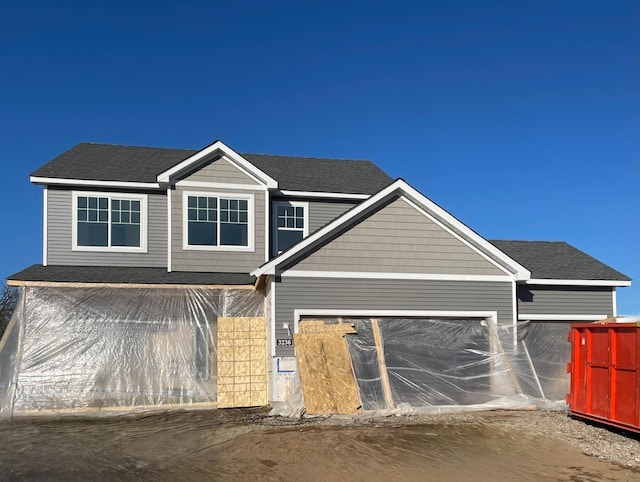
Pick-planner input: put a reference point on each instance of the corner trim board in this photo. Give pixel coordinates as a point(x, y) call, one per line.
point(45, 226)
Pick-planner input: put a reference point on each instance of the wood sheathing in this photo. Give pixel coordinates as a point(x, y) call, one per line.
point(324, 364)
point(242, 362)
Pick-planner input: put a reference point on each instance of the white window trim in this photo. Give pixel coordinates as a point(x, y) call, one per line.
point(250, 198)
point(143, 198)
point(274, 216)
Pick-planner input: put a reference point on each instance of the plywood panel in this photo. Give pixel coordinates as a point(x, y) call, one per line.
point(242, 362)
point(326, 375)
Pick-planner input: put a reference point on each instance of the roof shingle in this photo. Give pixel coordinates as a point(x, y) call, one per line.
point(105, 162)
point(109, 274)
point(557, 260)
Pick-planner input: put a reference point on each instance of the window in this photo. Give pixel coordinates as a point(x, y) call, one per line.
point(218, 221)
point(105, 222)
point(291, 224)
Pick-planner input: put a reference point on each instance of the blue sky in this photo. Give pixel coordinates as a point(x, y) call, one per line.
point(520, 118)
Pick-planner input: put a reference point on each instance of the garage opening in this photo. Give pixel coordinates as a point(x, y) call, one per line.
point(426, 361)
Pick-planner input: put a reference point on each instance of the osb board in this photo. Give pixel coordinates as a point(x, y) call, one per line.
point(318, 326)
point(326, 375)
point(242, 362)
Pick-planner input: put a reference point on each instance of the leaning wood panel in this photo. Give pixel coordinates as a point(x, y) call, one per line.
point(326, 375)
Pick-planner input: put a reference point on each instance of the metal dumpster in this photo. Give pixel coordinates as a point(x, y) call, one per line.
point(605, 373)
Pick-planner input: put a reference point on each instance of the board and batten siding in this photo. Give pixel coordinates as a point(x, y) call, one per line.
point(565, 300)
point(220, 171)
point(398, 238)
point(59, 234)
point(216, 261)
point(379, 294)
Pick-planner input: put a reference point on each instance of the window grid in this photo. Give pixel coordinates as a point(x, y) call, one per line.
point(234, 211)
point(93, 209)
point(291, 218)
point(125, 211)
point(203, 209)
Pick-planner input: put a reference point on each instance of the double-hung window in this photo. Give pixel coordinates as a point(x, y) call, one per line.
point(291, 224)
point(109, 222)
point(218, 221)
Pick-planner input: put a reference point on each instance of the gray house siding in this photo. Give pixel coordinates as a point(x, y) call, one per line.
point(398, 238)
point(564, 300)
point(322, 212)
point(219, 171)
point(216, 261)
point(59, 234)
point(377, 294)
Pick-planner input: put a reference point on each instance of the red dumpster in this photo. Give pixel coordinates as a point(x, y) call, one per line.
point(605, 373)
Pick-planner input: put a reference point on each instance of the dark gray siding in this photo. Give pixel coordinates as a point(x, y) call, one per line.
point(323, 212)
point(559, 300)
point(399, 238)
point(364, 294)
point(59, 233)
point(216, 261)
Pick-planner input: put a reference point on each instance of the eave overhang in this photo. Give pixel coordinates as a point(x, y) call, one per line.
point(398, 187)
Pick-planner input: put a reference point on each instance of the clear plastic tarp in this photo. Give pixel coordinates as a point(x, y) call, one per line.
point(445, 365)
point(90, 349)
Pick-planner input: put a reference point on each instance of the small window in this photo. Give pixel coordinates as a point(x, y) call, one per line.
point(107, 221)
point(290, 224)
point(218, 221)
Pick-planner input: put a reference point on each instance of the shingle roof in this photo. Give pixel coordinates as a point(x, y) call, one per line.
point(104, 274)
point(557, 260)
point(105, 162)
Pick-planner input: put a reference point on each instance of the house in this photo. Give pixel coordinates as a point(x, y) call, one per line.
point(197, 267)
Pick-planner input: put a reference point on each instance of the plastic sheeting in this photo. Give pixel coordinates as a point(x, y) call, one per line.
point(445, 365)
point(79, 349)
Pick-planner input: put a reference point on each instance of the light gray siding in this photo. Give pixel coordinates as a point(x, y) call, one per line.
point(218, 171)
point(399, 238)
point(559, 300)
point(59, 233)
point(323, 212)
point(216, 261)
point(377, 294)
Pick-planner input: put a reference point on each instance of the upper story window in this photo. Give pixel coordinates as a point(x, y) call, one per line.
point(218, 221)
point(291, 224)
point(109, 222)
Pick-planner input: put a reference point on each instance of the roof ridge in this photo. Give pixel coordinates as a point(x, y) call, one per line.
point(135, 147)
point(307, 157)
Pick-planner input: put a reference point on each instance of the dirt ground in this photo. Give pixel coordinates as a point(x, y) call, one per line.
point(249, 445)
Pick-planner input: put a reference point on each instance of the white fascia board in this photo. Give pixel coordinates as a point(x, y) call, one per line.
point(269, 268)
point(457, 236)
point(577, 282)
point(552, 317)
point(401, 276)
point(522, 273)
point(229, 154)
point(325, 195)
point(401, 187)
point(88, 182)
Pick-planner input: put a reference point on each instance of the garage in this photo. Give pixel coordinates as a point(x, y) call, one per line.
point(400, 361)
